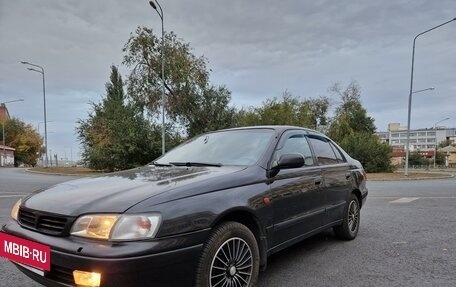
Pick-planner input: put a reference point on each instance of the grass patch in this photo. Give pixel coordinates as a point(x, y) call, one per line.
point(67, 170)
point(401, 176)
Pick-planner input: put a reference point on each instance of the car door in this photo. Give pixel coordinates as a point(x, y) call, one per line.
point(336, 185)
point(296, 194)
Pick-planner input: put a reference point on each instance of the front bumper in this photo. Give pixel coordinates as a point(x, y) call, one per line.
point(162, 262)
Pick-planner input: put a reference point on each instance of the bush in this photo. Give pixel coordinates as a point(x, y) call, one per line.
point(367, 148)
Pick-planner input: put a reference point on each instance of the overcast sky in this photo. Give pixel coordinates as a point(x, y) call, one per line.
point(258, 49)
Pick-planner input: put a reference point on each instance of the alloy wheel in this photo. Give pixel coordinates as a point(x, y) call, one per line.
point(232, 265)
point(353, 216)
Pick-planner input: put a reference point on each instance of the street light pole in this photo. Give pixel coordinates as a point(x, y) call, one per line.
point(4, 148)
point(435, 130)
point(408, 129)
point(41, 71)
point(407, 152)
point(41, 155)
point(160, 14)
point(3, 130)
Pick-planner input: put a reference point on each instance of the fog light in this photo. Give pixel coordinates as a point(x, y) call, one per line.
point(90, 279)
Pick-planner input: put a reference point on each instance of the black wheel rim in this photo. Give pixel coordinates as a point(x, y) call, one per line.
point(353, 216)
point(232, 265)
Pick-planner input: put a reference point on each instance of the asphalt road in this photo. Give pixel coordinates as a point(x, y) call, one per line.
point(407, 238)
point(14, 184)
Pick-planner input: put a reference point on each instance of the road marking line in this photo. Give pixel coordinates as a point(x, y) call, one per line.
point(11, 195)
point(421, 197)
point(439, 197)
point(405, 200)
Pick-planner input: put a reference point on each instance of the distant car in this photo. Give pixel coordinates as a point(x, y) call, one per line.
point(207, 213)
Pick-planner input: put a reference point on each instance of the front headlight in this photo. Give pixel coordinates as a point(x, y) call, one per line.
point(115, 227)
point(15, 209)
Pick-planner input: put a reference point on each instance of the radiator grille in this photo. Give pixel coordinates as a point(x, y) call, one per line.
point(52, 224)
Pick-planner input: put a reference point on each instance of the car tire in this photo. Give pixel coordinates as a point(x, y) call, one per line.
point(230, 257)
point(350, 225)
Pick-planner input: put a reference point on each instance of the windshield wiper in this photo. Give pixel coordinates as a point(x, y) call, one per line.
point(159, 164)
point(190, 163)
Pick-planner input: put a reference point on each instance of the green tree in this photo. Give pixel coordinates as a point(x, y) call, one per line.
point(354, 130)
point(350, 116)
point(191, 101)
point(367, 148)
point(445, 143)
point(209, 112)
point(116, 135)
point(25, 139)
point(289, 110)
point(440, 158)
point(415, 158)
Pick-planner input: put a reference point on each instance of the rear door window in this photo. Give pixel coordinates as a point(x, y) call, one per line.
point(340, 157)
point(323, 151)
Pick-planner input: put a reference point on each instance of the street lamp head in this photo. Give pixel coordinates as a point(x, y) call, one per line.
point(442, 120)
point(13, 101)
point(152, 3)
point(24, 62)
point(35, 70)
point(423, 90)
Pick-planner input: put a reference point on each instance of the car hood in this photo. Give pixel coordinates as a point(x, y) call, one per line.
point(117, 192)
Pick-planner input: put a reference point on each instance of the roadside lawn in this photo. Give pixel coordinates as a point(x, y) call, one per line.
point(399, 175)
point(66, 170)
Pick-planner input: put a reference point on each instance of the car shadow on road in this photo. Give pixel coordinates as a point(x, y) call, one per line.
point(297, 256)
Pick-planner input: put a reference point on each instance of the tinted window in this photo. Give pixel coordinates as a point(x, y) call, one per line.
point(323, 151)
point(296, 143)
point(339, 155)
point(235, 147)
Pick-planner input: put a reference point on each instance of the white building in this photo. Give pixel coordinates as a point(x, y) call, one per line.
point(6, 156)
point(420, 139)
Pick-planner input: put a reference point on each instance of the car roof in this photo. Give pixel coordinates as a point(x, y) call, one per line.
point(277, 128)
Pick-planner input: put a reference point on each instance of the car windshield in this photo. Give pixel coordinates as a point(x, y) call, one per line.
point(231, 147)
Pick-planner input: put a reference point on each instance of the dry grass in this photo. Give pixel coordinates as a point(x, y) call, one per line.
point(401, 176)
point(67, 170)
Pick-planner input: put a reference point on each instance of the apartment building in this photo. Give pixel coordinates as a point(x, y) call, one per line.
point(420, 139)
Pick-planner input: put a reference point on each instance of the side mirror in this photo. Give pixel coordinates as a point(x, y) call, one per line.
point(286, 161)
point(293, 160)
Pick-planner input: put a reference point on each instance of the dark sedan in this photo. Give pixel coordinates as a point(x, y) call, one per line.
point(207, 213)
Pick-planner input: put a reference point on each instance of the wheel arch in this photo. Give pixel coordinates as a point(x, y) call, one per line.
point(358, 195)
point(248, 218)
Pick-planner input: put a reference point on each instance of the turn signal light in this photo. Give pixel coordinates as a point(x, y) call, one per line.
point(89, 279)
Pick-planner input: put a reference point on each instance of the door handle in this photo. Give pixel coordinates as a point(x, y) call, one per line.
point(318, 181)
point(347, 175)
